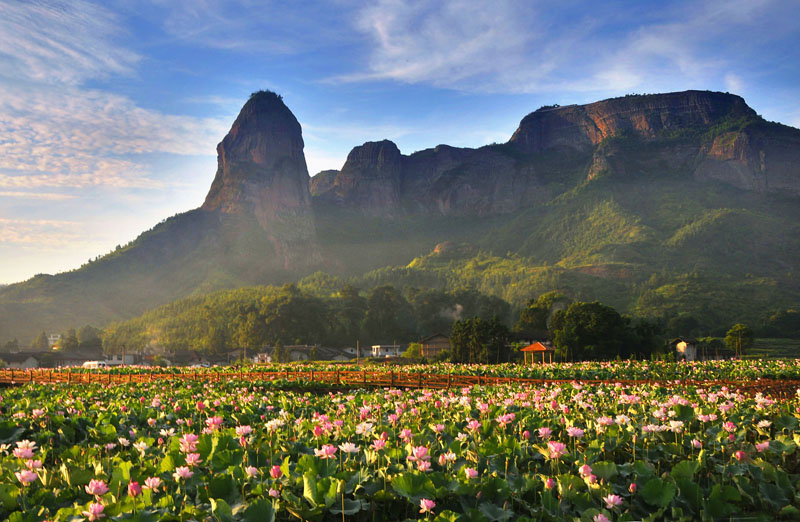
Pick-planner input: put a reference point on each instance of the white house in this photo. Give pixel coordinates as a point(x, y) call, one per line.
point(386, 350)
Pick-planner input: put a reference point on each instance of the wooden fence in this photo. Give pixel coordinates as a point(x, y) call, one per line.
point(775, 388)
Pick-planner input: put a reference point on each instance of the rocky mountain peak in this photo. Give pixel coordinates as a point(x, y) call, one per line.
point(261, 172)
point(583, 126)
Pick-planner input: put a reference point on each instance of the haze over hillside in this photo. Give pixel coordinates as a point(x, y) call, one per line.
point(657, 204)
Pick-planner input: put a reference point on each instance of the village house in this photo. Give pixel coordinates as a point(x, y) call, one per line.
point(434, 345)
point(387, 350)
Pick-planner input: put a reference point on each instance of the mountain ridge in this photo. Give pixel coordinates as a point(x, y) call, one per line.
point(575, 187)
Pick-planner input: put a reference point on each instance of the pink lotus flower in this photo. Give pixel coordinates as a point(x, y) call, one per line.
point(243, 431)
point(572, 431)
point(26, 476)
point(419, 453)
point(545, 432)
point(729, 427)
point(426, 505)
point(182, 472)
point(550, 483)
point(275, 472)
point(134, 489)
point(348, 447)
point(557, 449)
point(95, 512)
point(251, 471)
point(96, 488)
point(612, 501)
point(406, 435)
point(474, 425)
point(740, 455)
point(153, 483)
point(274, 493)
point(25, 449)
point(378, 444)
point(189, 443)
point(632, 488)
point(326, 452)
point(193, 459)
point(470, 473)
point(37, 464)
point(600, 518)
point(423, 465)
point(214, 423)
point(762, 446)
point(585, 470)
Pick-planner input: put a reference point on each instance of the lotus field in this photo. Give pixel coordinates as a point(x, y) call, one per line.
point(250, 451)
point(634, 370)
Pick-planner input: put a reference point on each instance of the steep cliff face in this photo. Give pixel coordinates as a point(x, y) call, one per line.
point(262, 172)
point(763, 157)
point(708, 135)
point(583, 126)
point(372, 177)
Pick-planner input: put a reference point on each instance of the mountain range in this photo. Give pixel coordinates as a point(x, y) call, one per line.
point(661, 205)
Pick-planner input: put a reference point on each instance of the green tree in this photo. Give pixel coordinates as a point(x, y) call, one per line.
point(535, 317)
point(414, 351)
point(348, 316)
point(278, 353)
point(389, 316)
point(11, 346)
point(589, 331)
point(295, 317)
point(89, 337)
point(250, 328)
point(41, 342)
point(69, 341)
point(739, 338)
point(478, 341)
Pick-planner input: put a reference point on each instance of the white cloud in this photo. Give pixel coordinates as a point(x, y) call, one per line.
point(529, 47)
point(79, 137)
point(60, 41)
point(42, 233)
point(23, 194)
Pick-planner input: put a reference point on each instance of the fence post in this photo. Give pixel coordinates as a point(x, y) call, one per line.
point(392, 372)
point(338, 380)
point(449, 380)
point(365, 377)
point(312, 376)
point(419, 380)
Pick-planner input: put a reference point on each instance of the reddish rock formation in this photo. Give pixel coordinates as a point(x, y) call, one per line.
point(262, 172)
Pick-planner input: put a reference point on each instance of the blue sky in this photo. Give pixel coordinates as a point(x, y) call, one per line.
point(110, 111)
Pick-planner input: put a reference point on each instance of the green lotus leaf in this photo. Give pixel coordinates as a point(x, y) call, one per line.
point(259, 511)
point(495, 513)
point(413, 485)
point(221, 510)
point(658, 492)
point(604, 470)
point(685, 469)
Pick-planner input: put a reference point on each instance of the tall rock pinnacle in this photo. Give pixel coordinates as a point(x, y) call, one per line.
point(262, 172)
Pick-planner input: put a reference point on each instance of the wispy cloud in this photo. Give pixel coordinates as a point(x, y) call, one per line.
point(77, 137)
point(253, 26)
point(42, 233)
point(23, 194)
point(528, 47)
point(60, 41)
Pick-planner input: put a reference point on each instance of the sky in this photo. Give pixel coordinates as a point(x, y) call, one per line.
point(110, 112)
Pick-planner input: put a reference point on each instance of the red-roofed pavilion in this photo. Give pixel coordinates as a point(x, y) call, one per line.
point(537, 347)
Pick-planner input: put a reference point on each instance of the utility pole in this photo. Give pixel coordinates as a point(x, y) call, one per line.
point(358, 352)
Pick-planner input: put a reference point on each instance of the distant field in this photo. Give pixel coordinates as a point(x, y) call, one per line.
point(774, 349)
